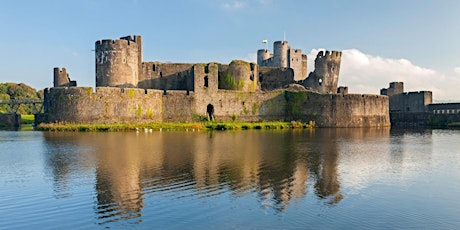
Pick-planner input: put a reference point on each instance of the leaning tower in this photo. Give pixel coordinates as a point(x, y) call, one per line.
point(325, 77)
point(118, 62)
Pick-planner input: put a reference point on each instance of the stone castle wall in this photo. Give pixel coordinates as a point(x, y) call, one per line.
point(111, 105)
point(130, 90)
point(338, 110)
point(410, 101)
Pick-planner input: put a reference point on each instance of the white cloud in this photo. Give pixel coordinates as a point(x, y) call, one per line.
point(365, 73)
point(457, 70)
point(234, 5)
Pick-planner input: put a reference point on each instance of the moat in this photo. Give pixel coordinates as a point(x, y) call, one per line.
point(290, 179)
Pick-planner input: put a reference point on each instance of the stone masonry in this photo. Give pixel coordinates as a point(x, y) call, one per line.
point(131, 90)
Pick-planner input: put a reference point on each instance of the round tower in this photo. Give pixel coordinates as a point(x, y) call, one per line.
point(117, 62)
point(240, 76)
point(280, 54)
point(262, 56)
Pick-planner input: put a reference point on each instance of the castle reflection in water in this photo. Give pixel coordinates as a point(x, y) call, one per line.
point(130, 166)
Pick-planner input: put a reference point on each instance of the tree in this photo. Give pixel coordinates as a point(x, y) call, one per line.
point(18, 91)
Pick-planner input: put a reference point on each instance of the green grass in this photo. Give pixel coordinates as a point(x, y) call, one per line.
point(27, 119)
point(26, 122)
point(172, 126)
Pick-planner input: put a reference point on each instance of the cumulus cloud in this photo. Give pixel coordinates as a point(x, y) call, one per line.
point(365, 73)
point(234, 5)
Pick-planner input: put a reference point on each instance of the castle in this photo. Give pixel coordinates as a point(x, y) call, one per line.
point(129, 89)
point(417, 109)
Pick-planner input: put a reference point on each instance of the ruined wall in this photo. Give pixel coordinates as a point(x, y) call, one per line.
point(111, 105)
point(410, 102)
point(106, 105)
point(10, 121)
point(178, 106)
point(298, 62)
point(338, 110)
point(272, 78)
point(166, 76)
point(284, 57)
point(206, 78)
point(325, 77)
point(239, 76)
point(118, 62)
point(241, 106)
point(61, 77)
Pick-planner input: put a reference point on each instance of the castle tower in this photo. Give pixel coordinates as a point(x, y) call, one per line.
point(280, 56)
point(61, 77)
point(394, 89)
point(118, 62)
point(325, 77)
point(263, 56)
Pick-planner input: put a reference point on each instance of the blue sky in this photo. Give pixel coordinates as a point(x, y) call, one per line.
point(414, 41)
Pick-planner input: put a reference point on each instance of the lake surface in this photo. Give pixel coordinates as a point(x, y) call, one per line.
point(293, 179)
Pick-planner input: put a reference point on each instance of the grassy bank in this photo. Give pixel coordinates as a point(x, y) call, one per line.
point(26, 122)
point(172, 126)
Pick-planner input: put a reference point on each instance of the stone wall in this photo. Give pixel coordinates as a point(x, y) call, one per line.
point(338, 110)
point(272, 78)
point(10, 121)
point(106, 105)
point(239, 76)
point(410, 102)
point(169, 76)
point(325, 77)
point(111, 105)
point(284, 57)
point(241, 106)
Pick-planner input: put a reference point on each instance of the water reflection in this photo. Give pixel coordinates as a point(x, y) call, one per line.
point(278, 167)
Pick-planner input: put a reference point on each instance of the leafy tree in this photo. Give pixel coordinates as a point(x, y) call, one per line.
point(18, 91)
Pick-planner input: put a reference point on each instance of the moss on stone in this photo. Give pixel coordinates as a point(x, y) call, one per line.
point(150, 113)
point(131, 93)
point(255, 108)
point(139, 111)
point(226, 81)
point(295, 100)
point(241, 84)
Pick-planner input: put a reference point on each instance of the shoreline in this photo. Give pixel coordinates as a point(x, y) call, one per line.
point(185, 126)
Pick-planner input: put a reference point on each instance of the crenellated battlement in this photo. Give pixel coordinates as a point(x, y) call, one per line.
point(115, 43)
point(329, 54)
point(130, 90)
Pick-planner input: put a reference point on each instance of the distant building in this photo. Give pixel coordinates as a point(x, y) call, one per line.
point(417, 109)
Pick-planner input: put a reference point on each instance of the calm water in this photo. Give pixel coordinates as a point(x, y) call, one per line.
point(317, 179)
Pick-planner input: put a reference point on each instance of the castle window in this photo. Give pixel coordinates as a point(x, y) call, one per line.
point(161, 74)
point(124, 60)
point(206, 83)
point(154, 67)
point(206, 69)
